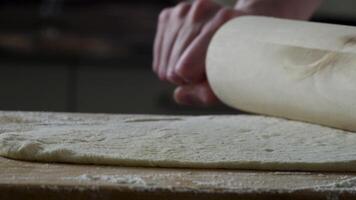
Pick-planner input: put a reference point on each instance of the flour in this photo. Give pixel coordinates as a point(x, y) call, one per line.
point(224, 141)
point(130, 180)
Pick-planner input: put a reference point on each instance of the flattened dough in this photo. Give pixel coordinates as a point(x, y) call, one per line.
point(237, 142)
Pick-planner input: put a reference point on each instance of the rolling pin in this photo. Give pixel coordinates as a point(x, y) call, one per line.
point(297, 70)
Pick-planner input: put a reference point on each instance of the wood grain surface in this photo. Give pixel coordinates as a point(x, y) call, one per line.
point(27, 180)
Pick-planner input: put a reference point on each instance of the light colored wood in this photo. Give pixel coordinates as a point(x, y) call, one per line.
point(29, 180)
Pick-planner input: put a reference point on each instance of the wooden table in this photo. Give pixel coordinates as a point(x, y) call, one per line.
point(27, 180)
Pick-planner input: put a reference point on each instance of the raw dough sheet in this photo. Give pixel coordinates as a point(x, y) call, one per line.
point(235, 141)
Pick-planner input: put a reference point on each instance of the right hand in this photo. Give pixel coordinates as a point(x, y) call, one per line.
point(183, 35)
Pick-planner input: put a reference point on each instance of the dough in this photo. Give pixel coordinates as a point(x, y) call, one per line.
point(292, 69)
point(236, 142)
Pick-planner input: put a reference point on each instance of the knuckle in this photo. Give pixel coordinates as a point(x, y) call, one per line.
point(181, 9)
point(196, 17)
point(224, 14)
point(183, 5)
point(183, 72)
point(204, 5)
point(170, 76)
point(164, 14)
point(198, 11)
point(190, 68)
point(173, 78)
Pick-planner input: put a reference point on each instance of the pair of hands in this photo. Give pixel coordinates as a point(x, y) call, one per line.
point(183, 35)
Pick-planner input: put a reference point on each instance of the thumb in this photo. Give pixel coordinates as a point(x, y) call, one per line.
point(199, 94)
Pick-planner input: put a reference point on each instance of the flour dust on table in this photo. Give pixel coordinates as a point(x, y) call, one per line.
point(222, 141)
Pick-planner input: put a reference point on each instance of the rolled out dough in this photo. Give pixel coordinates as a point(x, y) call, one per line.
point(236, 142)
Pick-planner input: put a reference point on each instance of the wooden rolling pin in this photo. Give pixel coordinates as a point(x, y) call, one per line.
point(292, 69)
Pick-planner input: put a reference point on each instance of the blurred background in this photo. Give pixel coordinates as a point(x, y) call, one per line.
point(95, 55)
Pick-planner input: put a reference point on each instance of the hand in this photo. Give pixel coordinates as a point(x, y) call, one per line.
point(183, 35)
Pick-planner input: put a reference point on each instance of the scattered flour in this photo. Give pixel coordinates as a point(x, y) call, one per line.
point(349, 184)
point(130, 180)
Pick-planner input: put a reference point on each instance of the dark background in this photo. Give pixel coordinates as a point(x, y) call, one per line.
point(94, 55)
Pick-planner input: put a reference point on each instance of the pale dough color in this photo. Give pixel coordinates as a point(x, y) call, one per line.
point(292, 69)
point(237, 142)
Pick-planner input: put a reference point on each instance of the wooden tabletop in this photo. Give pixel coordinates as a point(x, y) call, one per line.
point(27, 180)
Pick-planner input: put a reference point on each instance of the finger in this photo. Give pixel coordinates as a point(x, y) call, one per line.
point(175, 22)
point(158, 41)
point(162, 24)
point(201, 11)
point(167, 33)
point(188, 66)
point(199, 94)
point(183, 39)
point(179, 13)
